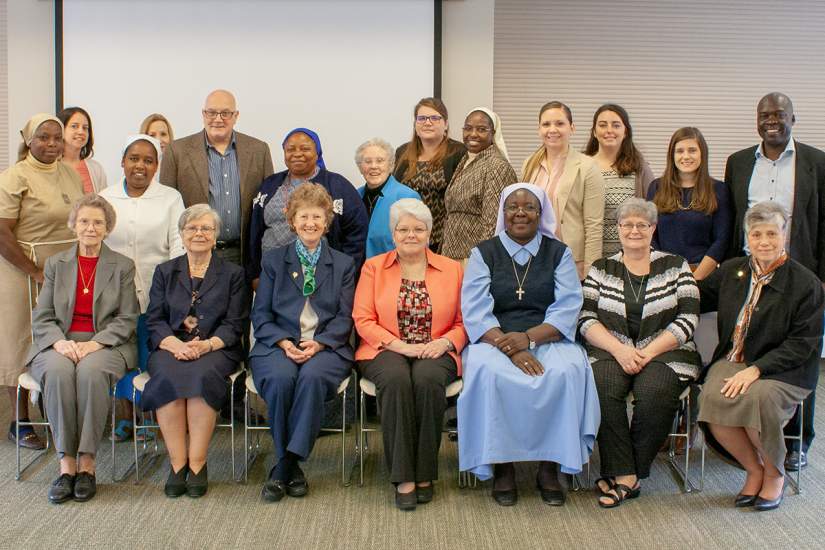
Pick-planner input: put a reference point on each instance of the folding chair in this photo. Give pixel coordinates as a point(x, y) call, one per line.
point(138, 384)
point(251, 390)
point(368, 388)
point(797, 483)
point(27, 382)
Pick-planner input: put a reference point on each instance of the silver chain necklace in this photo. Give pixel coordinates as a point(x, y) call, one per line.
point(636, 295)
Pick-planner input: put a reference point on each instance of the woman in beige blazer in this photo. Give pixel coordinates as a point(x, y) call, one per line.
point(84, 340)
point(573, 183)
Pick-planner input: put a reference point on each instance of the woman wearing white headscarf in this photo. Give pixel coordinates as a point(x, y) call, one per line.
point(146, 232)
point(529, 393)
point(36, 196)
point(473, 195)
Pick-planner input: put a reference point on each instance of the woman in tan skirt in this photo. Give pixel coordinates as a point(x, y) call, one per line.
point(36, 196)
point(767, 361)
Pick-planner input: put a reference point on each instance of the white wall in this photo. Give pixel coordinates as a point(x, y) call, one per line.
point(467, 59)
point(31, 64)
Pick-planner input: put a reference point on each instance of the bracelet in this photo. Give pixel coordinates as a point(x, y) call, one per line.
point(211, 347)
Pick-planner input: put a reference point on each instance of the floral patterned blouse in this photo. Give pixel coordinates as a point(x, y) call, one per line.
point(415, 313)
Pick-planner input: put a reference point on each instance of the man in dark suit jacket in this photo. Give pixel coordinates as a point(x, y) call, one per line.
point(793, 174)
point(221, 167)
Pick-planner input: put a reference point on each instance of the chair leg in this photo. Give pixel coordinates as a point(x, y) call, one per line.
point(344, 438)
point(232, 427)
point(134, 434)
point(361, 416)
point(112, 437)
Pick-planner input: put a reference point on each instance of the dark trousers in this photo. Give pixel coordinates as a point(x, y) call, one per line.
point(792, 427)
point(295, 396)
point(411, 401)
point(630, 449)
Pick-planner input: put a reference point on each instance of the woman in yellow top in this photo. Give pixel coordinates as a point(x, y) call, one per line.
point(572, 181)
point(36, 196)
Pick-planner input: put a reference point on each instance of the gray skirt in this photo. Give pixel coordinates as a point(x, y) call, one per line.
point(766, 407)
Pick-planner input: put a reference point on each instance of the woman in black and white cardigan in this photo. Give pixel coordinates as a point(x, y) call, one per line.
point(640, 310)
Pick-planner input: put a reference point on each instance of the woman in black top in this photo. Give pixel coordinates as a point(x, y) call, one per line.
point(767, 361)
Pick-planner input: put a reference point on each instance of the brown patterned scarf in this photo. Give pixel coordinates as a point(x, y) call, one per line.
point(759, 279)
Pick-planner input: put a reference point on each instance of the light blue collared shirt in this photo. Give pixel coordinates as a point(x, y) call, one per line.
point(225, 189)
point(773, 180)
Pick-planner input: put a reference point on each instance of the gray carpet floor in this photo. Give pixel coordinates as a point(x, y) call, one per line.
point(232, 515)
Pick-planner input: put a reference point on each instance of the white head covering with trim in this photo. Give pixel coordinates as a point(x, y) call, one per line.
point(547, 218)
point(498, 136)
point(141, 137)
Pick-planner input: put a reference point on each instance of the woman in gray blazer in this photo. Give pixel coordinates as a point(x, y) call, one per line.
point(84, 340)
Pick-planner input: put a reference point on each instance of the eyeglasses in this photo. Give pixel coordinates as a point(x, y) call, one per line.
point(640, 226)
point(432, 118)
point(418, 231)
point(192, 229)
point(527, 209)
point(97, 224)
point(478, 129)
point(212, 114)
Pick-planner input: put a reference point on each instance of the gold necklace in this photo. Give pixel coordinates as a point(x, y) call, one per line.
point(520, 292)
point(83, 278)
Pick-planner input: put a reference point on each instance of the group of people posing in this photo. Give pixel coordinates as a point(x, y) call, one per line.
point(553, 295)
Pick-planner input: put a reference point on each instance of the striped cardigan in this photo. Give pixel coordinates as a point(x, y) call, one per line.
point(671, 304)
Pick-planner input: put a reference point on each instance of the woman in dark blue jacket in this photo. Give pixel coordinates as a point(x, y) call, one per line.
point(269, 227)
point(302, 317)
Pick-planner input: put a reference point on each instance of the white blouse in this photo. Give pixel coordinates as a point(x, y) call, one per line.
point(146, 230)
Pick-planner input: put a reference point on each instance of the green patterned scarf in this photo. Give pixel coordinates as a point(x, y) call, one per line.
point(308, 262)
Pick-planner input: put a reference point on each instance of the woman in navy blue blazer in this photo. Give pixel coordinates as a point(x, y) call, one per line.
point(198, 307)
point(302, 317)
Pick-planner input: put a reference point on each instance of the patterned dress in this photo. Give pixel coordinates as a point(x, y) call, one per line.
point(617, 189)
point(432, 186)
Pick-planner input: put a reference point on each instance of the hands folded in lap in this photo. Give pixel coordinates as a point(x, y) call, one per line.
point(76, 350)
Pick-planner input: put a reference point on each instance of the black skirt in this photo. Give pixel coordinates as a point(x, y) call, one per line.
point(173, 379)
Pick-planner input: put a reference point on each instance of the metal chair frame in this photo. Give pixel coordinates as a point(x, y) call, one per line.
point(797, 483)
point(27, 381)
point(252, 451)
point(149, 459)
point(366, 387)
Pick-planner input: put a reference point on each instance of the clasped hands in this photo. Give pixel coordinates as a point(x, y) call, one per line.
point(431, 350)
point(631, 359)
point(514, 345)
point(186, 351)
point(301, 353)
point(76, 350)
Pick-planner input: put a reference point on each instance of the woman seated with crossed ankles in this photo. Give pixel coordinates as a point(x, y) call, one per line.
point(528, 388)
point(767, 361)
point(302, 318)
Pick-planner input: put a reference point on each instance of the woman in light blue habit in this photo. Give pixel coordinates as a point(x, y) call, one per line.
point(529, 393)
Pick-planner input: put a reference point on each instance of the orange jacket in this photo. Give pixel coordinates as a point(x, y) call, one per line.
point(376, 299)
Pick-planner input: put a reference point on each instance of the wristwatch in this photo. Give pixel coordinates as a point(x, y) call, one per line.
point(532, 344)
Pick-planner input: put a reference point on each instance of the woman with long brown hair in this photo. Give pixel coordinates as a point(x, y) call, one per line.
point(695, 211)
point(572, 181)
point(427, 162)
point(625, 172)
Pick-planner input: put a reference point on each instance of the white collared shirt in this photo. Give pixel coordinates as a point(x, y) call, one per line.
point(773, 180)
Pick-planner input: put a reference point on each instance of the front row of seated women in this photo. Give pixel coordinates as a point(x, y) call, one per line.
point(531, 393)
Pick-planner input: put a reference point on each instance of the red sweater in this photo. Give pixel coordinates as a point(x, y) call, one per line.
point(82, 320)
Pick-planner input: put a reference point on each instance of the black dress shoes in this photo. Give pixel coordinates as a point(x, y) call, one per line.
point(763, 504)
point(505, 497)
point(297, 485)
point(62, 489)
point(85, 486)
point(553, 497)
point(423, 495)
point(176, 482)
point(744, 501)
point(197, 484)
point(406, 501)
point(796, 460)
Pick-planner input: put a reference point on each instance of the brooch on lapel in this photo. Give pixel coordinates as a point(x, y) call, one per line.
point(338, 206)
point(294, 274)
point(259, 200)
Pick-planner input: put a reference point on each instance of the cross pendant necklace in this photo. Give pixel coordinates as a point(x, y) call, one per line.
point(520, 283)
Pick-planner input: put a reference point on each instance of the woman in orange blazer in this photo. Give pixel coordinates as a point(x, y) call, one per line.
point(408, 313)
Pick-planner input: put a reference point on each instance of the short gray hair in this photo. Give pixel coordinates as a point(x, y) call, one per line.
point(198, 211)
point(376, 142)
point(766, 212)
point(410, 207)
point(637, 207)
point(93, 200)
